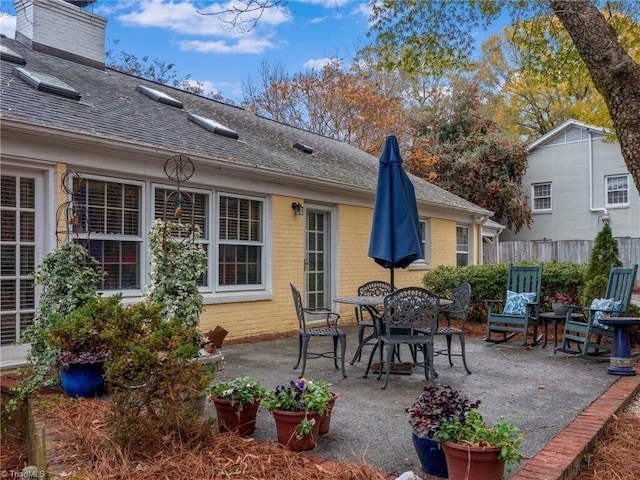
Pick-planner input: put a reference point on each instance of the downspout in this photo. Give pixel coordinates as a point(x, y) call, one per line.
point(605, 213)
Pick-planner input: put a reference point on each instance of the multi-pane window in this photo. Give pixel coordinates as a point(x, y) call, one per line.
point(617, 190)
point(193, 206)
point(541, 197)
point(17, 256)
point(240, 241)
point(463, 245)
point(113, 211)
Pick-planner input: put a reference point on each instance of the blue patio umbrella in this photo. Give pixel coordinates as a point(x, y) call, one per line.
point(395, 240)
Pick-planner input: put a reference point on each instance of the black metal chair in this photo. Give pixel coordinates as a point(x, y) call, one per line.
point(365, 315)
point(330, 329)
point(405, 310)
point(460, 297)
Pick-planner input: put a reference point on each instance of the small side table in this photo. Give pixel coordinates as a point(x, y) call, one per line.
point(555, 319)
point(621, 362)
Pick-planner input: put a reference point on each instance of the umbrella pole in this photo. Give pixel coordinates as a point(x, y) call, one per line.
point(393, 285)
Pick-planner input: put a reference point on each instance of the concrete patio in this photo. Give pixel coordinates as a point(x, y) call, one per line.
point(540, 392)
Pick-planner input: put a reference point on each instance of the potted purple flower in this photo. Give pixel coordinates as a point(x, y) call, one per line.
point(434, 407)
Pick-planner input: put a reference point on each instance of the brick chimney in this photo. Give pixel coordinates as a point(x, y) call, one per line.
point(61, 29)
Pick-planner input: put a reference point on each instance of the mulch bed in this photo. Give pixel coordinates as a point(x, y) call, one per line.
point(81, 447)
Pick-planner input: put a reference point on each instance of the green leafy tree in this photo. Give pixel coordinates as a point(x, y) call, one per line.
point(465, 153)
point(604, 254)
point(431, 35)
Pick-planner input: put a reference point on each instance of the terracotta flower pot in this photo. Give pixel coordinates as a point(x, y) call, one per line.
point(287, 424)
point(465, 462)
point(325, 420)
point(236, 417)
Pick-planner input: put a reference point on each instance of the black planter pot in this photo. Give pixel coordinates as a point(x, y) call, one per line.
point(83, 379)
point(431, 456)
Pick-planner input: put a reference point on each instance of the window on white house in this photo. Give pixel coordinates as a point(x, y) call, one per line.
point(240, 241)
point(114, 238)
point(194, 205)
point(541, 197)
point(463, 245)
point(617, 190)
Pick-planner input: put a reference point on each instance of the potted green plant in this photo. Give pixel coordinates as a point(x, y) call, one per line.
point(84, 339)
point(297, 408)
point(69, 278)
point(474, 449)
point(236, 402)
point(433, 407)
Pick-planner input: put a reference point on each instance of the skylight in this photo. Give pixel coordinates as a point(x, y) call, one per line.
point(47, 83)
point(9, 55)
point(213, 126)
point(303, 148)
point(159, 96)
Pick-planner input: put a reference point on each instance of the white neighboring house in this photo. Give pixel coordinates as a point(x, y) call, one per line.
point(576, 180)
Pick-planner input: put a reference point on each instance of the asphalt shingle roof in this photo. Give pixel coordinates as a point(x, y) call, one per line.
point(111, 107)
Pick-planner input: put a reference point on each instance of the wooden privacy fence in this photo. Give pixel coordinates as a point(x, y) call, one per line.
point(575, 251)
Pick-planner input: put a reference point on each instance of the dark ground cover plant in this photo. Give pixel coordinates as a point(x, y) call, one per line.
point(435, 406)
point(488, 282)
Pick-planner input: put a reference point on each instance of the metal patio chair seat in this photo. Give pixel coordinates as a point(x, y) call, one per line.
point(329, 329)
point(460, 297)
point(586, 333)
point(405, 310)
point(365, 315)
point(521, 308)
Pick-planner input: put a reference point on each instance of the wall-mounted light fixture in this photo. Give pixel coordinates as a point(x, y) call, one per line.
point(298, 208)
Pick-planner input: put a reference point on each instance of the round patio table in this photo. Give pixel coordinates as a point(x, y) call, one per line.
point(621, 362)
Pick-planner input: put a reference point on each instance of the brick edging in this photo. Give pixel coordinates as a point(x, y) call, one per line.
point(562, 457)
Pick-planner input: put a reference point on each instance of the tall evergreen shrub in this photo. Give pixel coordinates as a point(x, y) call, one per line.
point(603, 256)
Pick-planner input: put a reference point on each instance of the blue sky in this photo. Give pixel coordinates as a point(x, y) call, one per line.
point(304, 35)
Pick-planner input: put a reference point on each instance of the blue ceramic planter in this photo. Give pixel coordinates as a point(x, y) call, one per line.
point(431, 456)
point(83, 379)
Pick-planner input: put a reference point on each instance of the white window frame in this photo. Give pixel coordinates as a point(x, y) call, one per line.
point(262, 244)
point(469, 247)
point(425, 231)
point(140, 238)
point(608, 190)
point(207, 235)
point(534, 197)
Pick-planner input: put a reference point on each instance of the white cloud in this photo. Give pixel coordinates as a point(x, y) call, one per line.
point(243, 45)
point(319, 63)
point(186, 18)
point(318, 20)
point(7, 25)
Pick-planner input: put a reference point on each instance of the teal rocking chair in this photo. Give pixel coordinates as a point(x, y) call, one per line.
point(521, 308)
point(583, 334)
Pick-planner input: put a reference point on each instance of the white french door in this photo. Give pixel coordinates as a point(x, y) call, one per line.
point(20, 222)
point(318, 258)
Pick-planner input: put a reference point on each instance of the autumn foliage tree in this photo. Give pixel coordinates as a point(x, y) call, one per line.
point(465, 153)
point(345, 105)
point(535, 79)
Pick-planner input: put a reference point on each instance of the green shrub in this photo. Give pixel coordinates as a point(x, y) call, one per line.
point(488, 282)
point(604, 254)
